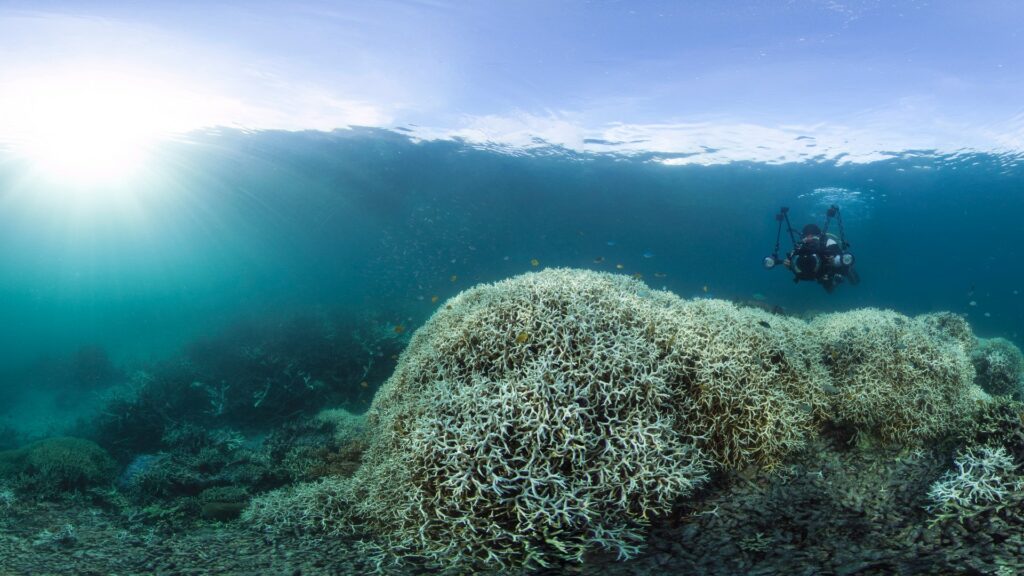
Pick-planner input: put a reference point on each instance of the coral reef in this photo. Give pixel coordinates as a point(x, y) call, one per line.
point(322, 508)
point(223, 502)
point(64, 537)
point(198, 460)
point(252, 378)
point(983, 477)
point(328, 444)
point(57, 466)
point(561, 419)
point(949, 325)
point(997, 423)
point(348, 427)
point(892, 377)
point(529, 421)
point(7, 498)
point(746, 381)
point(1000, 367)
point(536, 420)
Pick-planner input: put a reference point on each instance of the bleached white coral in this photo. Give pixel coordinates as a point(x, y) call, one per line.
point(347, 426)
point(983, 476)
point(312, 508)
point(529, 421)
point(891, 375)
point(949, 325)
point(532, 420)
point(750, 383)
point(999, 367)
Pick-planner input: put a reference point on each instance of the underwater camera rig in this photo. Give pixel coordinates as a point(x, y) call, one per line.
point(807, 264)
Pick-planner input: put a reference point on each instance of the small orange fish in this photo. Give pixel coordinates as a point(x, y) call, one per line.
point(434, 299)
point(619, 266)
point(454, 278)
point(534, 262)
point(399, 328)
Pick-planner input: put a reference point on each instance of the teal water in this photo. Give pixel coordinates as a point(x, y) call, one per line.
point(196, 323)
point(233, 223)
point(229, 224)
point(233, 238)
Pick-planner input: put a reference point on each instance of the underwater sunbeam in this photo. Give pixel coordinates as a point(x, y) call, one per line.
point(89, 129)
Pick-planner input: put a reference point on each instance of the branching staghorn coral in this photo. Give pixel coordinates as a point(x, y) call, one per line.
point(949, 325)
point(348, 427)
point(319, 509)
point(999, 367)
point(528, 422)
point(892, 377)
point(747, 381)
point(535, 419)
point(984, 476)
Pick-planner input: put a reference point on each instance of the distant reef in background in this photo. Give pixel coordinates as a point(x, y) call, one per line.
point(562, 419)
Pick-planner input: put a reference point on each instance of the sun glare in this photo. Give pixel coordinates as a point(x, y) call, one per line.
point(93, 128)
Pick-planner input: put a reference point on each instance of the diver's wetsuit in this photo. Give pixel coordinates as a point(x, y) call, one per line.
point(819, 255)
point(810, 260)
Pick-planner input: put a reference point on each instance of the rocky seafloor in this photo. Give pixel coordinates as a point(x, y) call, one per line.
point(834, 509)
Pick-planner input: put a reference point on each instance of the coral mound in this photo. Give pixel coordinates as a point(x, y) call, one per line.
point(892, 377)
point(748, 382)
point(529, 421)
point(1000, 367)
point(949, 325)
point(534, 420)
point(56, 466)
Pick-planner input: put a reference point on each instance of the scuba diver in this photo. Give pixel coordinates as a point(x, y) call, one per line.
point(818, 255)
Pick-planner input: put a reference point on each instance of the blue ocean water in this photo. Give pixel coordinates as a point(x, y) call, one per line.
point(222, 225)
point(238, 223)
point(195, 324)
